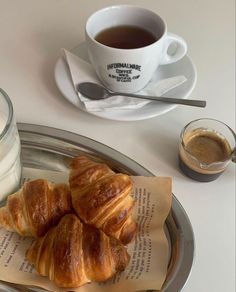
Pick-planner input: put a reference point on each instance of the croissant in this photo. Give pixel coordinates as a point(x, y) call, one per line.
point(102, 198)
point(36, 207)
point(73, 254)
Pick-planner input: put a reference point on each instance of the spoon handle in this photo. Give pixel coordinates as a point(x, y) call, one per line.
point(190, 102)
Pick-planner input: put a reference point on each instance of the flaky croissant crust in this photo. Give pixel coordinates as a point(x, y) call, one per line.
point(72, 254)
point(36, 207)
point(102, 198)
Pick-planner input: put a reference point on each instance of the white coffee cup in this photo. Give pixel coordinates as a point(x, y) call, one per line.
point(130, 70)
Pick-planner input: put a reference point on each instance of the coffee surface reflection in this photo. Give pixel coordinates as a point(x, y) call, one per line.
point(126, 37)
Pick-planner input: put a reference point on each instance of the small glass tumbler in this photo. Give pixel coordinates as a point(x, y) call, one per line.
point(206, 148)
point(10, 164)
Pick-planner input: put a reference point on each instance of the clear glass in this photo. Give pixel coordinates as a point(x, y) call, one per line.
point(10, 164)
point(216, 159)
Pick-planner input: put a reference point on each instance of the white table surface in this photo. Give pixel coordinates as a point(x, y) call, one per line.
point(31, 35)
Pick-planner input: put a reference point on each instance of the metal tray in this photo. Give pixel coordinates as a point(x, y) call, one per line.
point(51, 149)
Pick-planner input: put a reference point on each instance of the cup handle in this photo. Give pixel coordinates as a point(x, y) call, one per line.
point(179, 52)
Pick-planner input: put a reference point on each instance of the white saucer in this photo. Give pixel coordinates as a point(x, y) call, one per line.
point(183, 67)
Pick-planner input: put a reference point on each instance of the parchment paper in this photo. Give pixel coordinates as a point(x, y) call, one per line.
point(149, 251)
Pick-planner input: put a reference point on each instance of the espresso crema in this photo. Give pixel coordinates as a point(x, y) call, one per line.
point(201, 154)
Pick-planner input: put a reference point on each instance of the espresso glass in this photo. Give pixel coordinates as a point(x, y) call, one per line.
point(206, 148)
point(10, 164)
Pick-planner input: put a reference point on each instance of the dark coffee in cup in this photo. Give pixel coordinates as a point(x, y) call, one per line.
point(133, 39)
point(126, 37)
point(203, 154)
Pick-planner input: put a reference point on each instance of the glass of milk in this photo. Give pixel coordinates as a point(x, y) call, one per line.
point(10, 164)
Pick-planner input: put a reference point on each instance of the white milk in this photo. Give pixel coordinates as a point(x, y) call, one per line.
point(10, 166)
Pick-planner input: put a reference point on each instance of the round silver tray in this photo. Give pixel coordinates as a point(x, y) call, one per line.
point(51, 149)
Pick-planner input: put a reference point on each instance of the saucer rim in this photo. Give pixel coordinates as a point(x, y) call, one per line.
point(117, 117)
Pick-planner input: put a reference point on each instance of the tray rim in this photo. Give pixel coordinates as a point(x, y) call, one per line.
point(179, 216)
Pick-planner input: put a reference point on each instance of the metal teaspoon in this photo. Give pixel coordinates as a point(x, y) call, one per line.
point(96, 92)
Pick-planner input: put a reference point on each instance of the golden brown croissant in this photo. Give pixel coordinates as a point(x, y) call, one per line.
point(36, 207)
point(102, 198)
point(73, 254)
